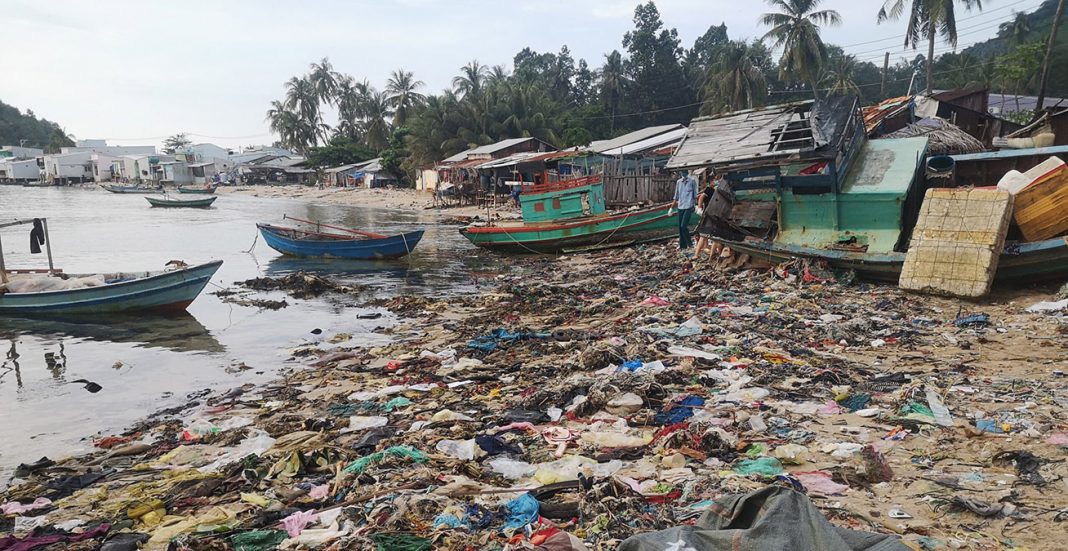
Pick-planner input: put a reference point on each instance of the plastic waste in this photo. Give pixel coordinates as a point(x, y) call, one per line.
point(364, 422)
point(624, 404)
point(449, 415)
point(465, 450)
point(614, 439)
point(511, 468)
point(764, 466)
point(938, 409)
point(820, 482)
point(791, 454)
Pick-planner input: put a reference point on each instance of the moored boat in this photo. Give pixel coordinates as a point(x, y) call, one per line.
point(350, 244)
point(836, 197)
point(130, 189)
point(53, 293)
point(181, 203)
point(206, 190)
point(570, 216)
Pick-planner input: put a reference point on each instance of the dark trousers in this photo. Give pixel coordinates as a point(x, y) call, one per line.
point(685, 241)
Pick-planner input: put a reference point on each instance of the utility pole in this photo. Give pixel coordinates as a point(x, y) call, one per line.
point(886, 67)
point(1049, 56)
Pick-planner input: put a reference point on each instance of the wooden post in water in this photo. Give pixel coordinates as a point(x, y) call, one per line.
point(48, 245)
point(3, 269)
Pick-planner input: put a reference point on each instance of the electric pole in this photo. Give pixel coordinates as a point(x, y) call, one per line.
point(886, 67)
point(1049, 56)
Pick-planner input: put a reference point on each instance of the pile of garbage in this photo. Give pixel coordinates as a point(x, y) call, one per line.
point(622, 400)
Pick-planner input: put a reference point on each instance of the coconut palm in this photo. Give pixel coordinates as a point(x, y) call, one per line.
point(302, 99)
point(796, 29)
point(403, 97)
point(471, 80)
point(376, 122)
point(497, 75)
point(927, 20)
point(840, 76)
point(324, 80)
point(613, 79)
point(1017, 29)
point(733, 81)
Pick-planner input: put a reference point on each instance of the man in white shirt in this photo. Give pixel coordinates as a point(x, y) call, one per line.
point(685, 200)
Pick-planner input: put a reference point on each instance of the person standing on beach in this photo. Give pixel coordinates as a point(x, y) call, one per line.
point(685, 200)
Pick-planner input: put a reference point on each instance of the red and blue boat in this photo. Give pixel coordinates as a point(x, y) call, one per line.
point(349, 244)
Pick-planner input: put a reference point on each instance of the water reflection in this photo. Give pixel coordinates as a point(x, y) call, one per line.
point(11, 365)
point(180, 333)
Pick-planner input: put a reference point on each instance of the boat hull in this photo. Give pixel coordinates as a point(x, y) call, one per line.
point(395, 246)
point(165, 292)
point(130, 189)
point(1026, 263)
point(197, 191)
point(173, 203)
point(565, 236)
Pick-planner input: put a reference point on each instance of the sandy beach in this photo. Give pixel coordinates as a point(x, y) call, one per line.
point(408, 200)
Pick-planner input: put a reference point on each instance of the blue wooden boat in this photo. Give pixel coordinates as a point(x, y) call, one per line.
point(317, 244)
point(166, 291)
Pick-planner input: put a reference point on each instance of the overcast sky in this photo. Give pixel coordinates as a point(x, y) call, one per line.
point(133, 72)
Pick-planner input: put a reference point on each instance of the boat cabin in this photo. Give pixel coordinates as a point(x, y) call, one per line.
point(563, 200)
point(806, 175)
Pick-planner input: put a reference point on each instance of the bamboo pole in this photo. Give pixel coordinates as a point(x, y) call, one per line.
point(48, 245)
point(3, 269)
point(338, 228)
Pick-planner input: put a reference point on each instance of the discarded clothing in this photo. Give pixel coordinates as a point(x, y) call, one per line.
point(682, 411)
point(37, 236)
point(522, 511)
point(257, 540)
point(773, 518)
point(14, 507)
point(11, 543)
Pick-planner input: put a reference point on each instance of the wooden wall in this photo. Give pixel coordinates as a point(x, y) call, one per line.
point(620, 191)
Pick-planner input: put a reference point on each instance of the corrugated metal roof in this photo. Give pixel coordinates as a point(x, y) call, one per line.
point(875, 114)
point(736, 136)
point(606, 146)
point(655, 142)
point(510, 160)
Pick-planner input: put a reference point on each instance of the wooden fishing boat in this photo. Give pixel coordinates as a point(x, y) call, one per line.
point(206, 190)
point(351, 244)
point(570, 216)
point(164, 291)
point(181, 203)
point(130, 189)
point(835, 196)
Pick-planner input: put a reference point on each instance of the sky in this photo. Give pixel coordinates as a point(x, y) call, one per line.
point(133, 72)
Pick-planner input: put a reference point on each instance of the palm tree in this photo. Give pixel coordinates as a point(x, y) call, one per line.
point(1017, 29)
point(796, 29)
point(376, 123)
point(497, 75)
point(613, 81)
point(927, 19)
point(471, 80)
point(840, 76)
point(291, 130)
point(324, 80)
point(302, 99)
point(403, 97)
point(733, 81)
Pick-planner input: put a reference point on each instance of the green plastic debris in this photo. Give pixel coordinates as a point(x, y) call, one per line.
point(361, 464)
point(765, 466)
point(400, 542)
point(396, 403)
point(755, 450)
point(917, 412)
point(257, 540)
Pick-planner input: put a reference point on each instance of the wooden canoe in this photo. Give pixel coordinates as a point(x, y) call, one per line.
point(304, 243)
point(181, 203)
point(125, 292)
point(565, 235)
point(207, 190)
point(130, 189)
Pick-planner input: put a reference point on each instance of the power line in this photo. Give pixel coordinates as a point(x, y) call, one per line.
point(985, 26)
point(900, 36)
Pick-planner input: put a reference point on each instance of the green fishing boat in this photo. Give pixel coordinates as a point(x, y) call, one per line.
point(570, 216)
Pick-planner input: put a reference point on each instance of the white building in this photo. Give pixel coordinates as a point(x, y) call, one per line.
point(17, 152)
point(67, 168)
point(100, 146)
point(19, 170)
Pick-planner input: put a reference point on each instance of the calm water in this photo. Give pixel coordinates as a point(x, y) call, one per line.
point(148, 363)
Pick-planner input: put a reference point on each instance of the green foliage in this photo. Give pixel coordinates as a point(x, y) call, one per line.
point(655, 69)
point(340, 150)
point(395, 156)
point(176, 142)
point(40, 133)
point(795, 28)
